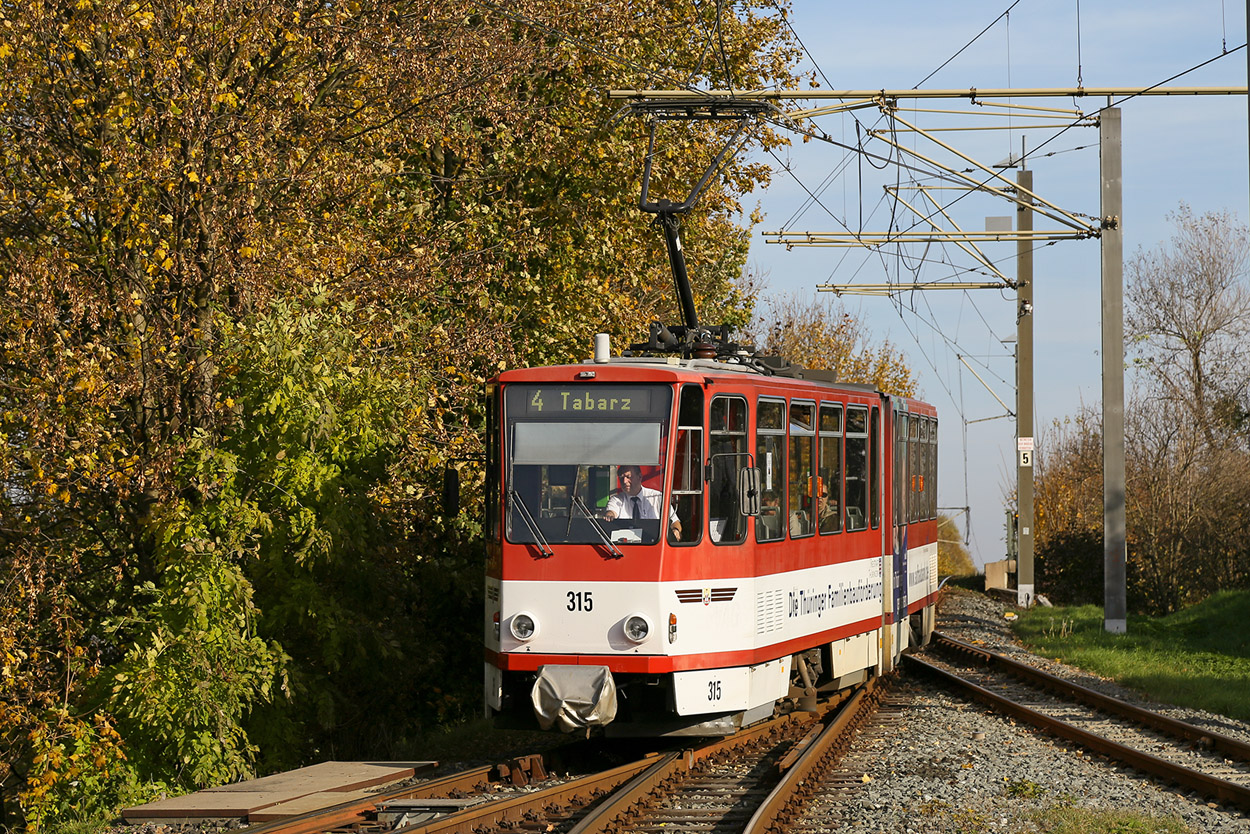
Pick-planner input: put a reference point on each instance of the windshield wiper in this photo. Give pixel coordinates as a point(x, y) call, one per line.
point(572, 503)
point(543, 547)
point(594, 522)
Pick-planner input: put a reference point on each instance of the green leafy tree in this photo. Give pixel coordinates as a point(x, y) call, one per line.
point(218, 500)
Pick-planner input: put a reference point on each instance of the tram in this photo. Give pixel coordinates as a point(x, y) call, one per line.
point(684, 545)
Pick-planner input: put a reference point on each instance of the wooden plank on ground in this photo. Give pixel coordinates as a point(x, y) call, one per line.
point(331, 776)
point(304, 804)
point(241, 799)
point(205, 805)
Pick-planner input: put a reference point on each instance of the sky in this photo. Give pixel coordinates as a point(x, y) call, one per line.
point(1190, 150)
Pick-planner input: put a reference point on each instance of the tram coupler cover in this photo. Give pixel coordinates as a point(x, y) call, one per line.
point(573, 698)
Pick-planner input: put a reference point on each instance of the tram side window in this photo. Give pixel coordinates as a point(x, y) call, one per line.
point(925, 480)
point(688, 465)
point(829, 481)
point(918, 473)
point(874, 451)
point(918, 470)
point(770, 457)
point(802, 433)
point(857, 468)
point(727, 435)
point(926, 492)
point(932, 450)
point(900, 467)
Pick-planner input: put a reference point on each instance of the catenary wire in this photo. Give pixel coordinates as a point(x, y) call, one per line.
point(965, 46)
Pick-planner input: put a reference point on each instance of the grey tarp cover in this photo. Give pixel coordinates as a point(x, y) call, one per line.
point(571, 698)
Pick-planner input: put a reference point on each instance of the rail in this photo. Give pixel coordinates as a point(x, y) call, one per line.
point(811, 755)
point(1206, 784)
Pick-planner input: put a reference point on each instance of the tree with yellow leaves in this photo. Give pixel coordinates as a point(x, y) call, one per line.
point(257, 261)
point(821, 334)
point(953, 558)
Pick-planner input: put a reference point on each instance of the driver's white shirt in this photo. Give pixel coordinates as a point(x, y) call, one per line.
point(649, 503)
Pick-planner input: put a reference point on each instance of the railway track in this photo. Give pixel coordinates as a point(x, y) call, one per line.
point(819, 803)
point(741, 783)
point(711, 788)
point(1214, 765)
point(747, 789)
point(792, 774)
point(813, 771)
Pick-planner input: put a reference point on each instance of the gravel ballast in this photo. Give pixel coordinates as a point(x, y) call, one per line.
point(951, 765)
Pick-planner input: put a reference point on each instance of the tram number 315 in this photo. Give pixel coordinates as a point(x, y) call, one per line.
point(580, 601)
point(713, 690)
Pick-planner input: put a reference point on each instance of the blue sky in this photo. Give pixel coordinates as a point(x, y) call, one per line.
point(1191, 150)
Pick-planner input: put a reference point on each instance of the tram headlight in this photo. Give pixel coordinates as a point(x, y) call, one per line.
point(637, 628)
point(523, 626)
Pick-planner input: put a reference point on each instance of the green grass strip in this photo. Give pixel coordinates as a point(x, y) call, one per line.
point(1198, 658)
point(1065, 820)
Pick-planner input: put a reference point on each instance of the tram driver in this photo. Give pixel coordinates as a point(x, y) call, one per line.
point(633, 500)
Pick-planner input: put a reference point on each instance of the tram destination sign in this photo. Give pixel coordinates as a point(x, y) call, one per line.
point(591, 401)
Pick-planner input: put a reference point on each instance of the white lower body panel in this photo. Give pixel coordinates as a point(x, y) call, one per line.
point(735, 688)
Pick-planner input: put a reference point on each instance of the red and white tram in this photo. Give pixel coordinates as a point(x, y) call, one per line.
point(785, 537)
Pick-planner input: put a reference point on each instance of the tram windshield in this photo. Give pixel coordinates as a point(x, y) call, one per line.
point(585, 463)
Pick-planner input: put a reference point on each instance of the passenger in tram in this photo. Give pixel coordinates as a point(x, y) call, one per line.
point(801, 515)
point(800, 524)
point(633, 500)
point(829, 517)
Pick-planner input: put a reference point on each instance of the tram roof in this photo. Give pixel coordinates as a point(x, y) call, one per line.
point(665, 369)
point(674, 369)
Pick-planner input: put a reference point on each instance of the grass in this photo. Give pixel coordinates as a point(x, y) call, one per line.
point(94, 826)
point(1069, 820)
point(1198, 658)
point(1061, 818)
